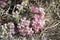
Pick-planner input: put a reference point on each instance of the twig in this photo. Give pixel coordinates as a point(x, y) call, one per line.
point(7, 10)
point(13, 9)
point(49, 28)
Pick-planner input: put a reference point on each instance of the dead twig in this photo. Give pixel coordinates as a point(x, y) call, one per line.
point(54, 25)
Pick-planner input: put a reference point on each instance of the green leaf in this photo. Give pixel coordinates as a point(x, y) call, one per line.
point(16, 20)
point(30, 15)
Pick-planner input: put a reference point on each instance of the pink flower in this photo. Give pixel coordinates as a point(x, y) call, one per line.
point(34, 9)
point(37, 23)
point(36, 17)
point(41, 10)
point(41, 27)
point(42, 13)
point(30, 32)
point(34, 23)
point(21, 31)
point(27, 22)
point(19, 26)
point(11, 26)
point(26, 29)
point(12, 31)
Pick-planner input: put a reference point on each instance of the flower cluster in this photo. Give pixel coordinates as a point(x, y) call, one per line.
point(11, 27)
point(24, 29)
point(37, 24)
point(27, 26)
point(6, 30)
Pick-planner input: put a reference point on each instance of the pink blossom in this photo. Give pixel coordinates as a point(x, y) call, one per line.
point(42, 16)
point(11, 26)
point(30, 32)
point(42, 13)
point(27, 22)
point(26, 29)
point(36, 29)
point(19, 26)
point(36, 17)
point(37, 23)
point(34, 9)
point(34, 23)
point(41, 10)
point(41, 27)
point(21, 31)
point(12, 31)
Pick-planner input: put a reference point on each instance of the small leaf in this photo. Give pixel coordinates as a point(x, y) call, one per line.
point(16, 20)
